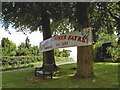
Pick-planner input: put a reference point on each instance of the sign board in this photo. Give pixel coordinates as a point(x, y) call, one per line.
point(70, 39)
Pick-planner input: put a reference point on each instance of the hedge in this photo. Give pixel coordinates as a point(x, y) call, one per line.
point(18, 61)
point(9, 62)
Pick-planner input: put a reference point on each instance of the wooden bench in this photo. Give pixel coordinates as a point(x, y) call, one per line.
point(47, 70)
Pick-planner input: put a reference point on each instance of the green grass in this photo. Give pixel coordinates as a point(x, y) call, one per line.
point(106, 76)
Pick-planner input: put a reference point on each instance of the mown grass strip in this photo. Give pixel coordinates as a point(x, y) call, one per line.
point(106, 76)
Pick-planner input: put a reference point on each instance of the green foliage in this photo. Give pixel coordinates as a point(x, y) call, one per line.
point(27, 15)
point(104, 15)
point(8, 47)
point(27, 61)
point(104, 37)
point(35, 51)
point(27, 51)
point(23, 50)
point(66, 53)
point(63, 60)
point(60, 27)
point(21, 56)
point(57, 52)
point(115, 52)
point(0, 51)
point(63, 53)
point(19, 61)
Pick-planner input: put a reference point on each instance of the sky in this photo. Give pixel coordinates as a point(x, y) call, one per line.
point(35, 39)
point(18, 37)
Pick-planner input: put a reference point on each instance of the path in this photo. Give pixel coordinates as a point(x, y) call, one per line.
point(32, 67)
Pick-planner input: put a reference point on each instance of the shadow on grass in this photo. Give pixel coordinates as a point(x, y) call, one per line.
point(106, 76)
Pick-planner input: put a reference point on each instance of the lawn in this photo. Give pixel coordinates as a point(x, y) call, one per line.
point(106, 76)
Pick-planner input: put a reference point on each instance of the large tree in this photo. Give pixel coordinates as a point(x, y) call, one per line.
point(100, 16)
point(29, 16)
point(84, 53)
point(77, 21)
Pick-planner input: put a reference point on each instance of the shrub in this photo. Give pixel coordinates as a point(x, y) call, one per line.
point(17, 61)
point(63, 59)
point(25, 61)
point(115, 53)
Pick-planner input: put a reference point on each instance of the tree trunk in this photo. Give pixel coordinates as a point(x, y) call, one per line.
point(84, 62)
point(84, 53)
point(48, 57)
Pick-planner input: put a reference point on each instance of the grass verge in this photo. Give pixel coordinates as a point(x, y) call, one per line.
point(106, 76)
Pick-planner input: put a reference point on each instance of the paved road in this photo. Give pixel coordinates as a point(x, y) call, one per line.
point(32, 67)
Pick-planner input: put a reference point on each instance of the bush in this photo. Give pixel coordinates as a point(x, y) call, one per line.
point(115, 53)
point(63, 59)
point(18, 61)
point(103, 42)
point(25, 61)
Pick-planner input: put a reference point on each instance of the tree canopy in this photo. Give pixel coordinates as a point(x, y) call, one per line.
point(8, 47)
point(105, 15)
point(27, 15)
